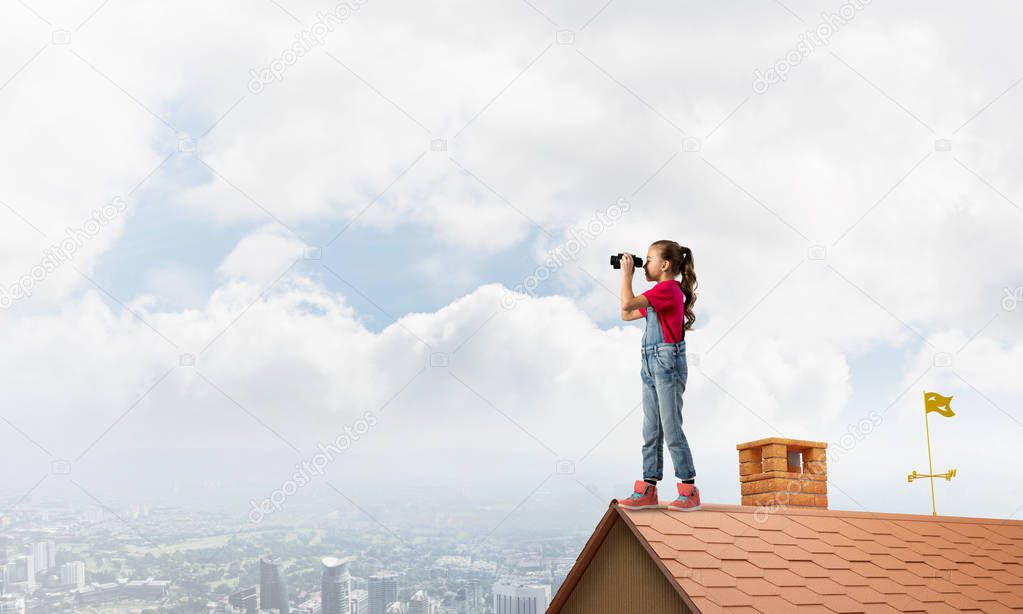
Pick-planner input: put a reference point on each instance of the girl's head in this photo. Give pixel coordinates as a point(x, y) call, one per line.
point(666, 260)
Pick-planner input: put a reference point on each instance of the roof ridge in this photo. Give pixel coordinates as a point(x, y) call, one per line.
point(804, 511)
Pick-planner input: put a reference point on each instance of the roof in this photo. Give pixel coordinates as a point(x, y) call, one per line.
point(729, 558)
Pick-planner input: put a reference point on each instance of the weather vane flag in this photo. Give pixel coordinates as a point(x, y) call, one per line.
point(942, 405)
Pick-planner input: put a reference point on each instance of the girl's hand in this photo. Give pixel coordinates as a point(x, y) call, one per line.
point(628, 264)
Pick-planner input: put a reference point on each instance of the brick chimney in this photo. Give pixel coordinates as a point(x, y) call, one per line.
point(788, 472)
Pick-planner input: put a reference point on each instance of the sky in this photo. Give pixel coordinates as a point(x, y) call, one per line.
point(232, 234)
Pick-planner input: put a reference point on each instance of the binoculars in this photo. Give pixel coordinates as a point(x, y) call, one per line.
point(616, 261)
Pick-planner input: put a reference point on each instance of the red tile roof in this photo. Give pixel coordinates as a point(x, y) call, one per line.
point(728, 558)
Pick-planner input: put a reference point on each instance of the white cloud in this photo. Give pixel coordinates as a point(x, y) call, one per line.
point(263, 256)
point(62, 162)
point(177, 287)
point(540, 380)
point(828, 158)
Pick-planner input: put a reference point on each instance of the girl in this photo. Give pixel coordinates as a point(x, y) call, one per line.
point(668, 309)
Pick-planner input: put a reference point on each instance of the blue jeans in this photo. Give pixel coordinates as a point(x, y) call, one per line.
point(664, 376)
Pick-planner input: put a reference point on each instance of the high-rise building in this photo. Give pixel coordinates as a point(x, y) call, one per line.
point(73, 574)
point(12, 604)
point(273, 590)
point(24, 570)
point(383, 591)
point(45, 555)
point(335, 586)
point(514, 597)
point(246, 600)
point(474, 597)
point(420, 603)
point(359, 601)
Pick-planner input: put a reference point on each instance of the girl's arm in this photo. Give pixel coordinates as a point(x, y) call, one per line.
point(631, 315)
point(630, 302)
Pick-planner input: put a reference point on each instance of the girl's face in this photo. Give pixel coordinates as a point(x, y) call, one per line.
point(654, 265)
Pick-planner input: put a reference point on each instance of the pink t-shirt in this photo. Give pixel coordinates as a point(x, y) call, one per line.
point(669, 302)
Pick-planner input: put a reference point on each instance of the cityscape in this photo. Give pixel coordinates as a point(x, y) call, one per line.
point(167, 560)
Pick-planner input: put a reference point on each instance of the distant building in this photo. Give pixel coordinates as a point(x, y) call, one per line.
point(145, 589)
point(335, 586)
point(273, 591)
point(44, 554)
point(359, 601)
point(12, 604)
point(309, 606)
point(246, 600)
point(22, 570)
point(73, 574)
point(383, 591)
point(420, 603)
point(99, 592)
point(513, 597)
point(474, 597)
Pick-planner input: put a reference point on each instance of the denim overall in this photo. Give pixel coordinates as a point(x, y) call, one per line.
point(664, 376)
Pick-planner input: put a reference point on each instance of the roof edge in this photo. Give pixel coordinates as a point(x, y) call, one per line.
point(582, 562)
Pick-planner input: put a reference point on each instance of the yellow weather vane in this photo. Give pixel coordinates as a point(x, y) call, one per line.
point(934, 402)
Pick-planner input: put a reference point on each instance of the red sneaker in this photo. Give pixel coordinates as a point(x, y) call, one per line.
point(688, 498)
point(644, 496)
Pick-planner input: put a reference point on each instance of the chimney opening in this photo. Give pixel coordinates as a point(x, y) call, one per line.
point(795, 461)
